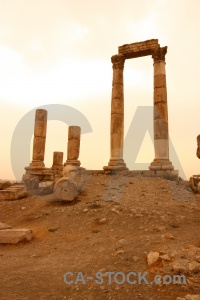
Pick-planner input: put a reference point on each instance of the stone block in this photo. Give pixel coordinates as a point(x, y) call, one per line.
point(160, 129)
point(160, 95)
point(74, 132)
point(40, 128)
point(118, 91)
point(117, 124)
point(66, 189)
point(159, 80)
point(4, 184)
point(4, 226)
point(117, 76)
point(159, 68)
point(14, 192)
point(46, 187)
point(14, 236)
point(118, 106)
point(160, 111)
point(73, 149)
point(138, 49)
point(41, 115)
point(57, 158)
point(39, 148)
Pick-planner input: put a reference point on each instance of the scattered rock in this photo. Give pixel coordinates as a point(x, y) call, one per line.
point(168, 236)
point(115, 210)
point(192, 297)
point(194, 267)
point(14, 236)
point(198, 258)
point(118, 252)
point(180, 266)
point(102, 221)
point(136, 258)
point(152, 258)
point(160, 228)
point(165, 257)
point(46, 187)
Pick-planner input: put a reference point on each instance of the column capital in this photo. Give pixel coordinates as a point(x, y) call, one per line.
point(118, 61)
point(159, 54)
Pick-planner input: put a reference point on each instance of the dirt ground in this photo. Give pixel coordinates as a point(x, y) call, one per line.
point(110, 227)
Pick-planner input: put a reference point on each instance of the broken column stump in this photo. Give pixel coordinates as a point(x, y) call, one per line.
point(66, 189)
point(73, 148)
point(71, 184)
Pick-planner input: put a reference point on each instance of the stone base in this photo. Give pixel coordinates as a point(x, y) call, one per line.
point(166, 174)
point(75, 163)
point(37, 164)
point(161, 164)
point(115, 165)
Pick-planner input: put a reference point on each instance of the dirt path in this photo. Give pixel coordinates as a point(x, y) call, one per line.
point(111, 227)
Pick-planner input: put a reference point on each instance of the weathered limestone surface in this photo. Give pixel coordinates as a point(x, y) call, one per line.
point(57, 160)
point(73, 149)
point(39, 139)
point(14, 192)
point(161, 139)
point(198, 146)
point(138, 49)
point(14, 236)
point(117, 115)
point(4, 184)
point(76, 173)
point(161, 136)
point(66, 189)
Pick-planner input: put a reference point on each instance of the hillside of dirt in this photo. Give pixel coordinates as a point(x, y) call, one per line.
point(117, 224)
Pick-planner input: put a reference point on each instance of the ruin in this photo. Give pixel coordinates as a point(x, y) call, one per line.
point(161, 161)
point(73, 147)
point(195, 179)
point(57, 179)
point(198, 146)
point(39, 179)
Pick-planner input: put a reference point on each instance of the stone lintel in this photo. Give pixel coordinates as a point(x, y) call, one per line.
point(139, 49)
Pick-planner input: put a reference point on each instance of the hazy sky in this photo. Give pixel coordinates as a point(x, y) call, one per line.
point(58, 52)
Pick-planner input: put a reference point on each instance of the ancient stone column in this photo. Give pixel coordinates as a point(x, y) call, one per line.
point(198, 146)
point(57, 161)
point(73, 148)
point(117, 115)
point(39, 139)
point(161, 136)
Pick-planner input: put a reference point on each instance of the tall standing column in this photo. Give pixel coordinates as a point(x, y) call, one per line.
point(161, 136)
point(39, 139)
point(117, 115)
point(198, 146)
point(73, 147)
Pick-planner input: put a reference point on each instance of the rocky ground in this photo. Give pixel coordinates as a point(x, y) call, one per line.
point(117, 224)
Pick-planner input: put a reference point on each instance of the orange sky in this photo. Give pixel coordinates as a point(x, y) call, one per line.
point(58, 52)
